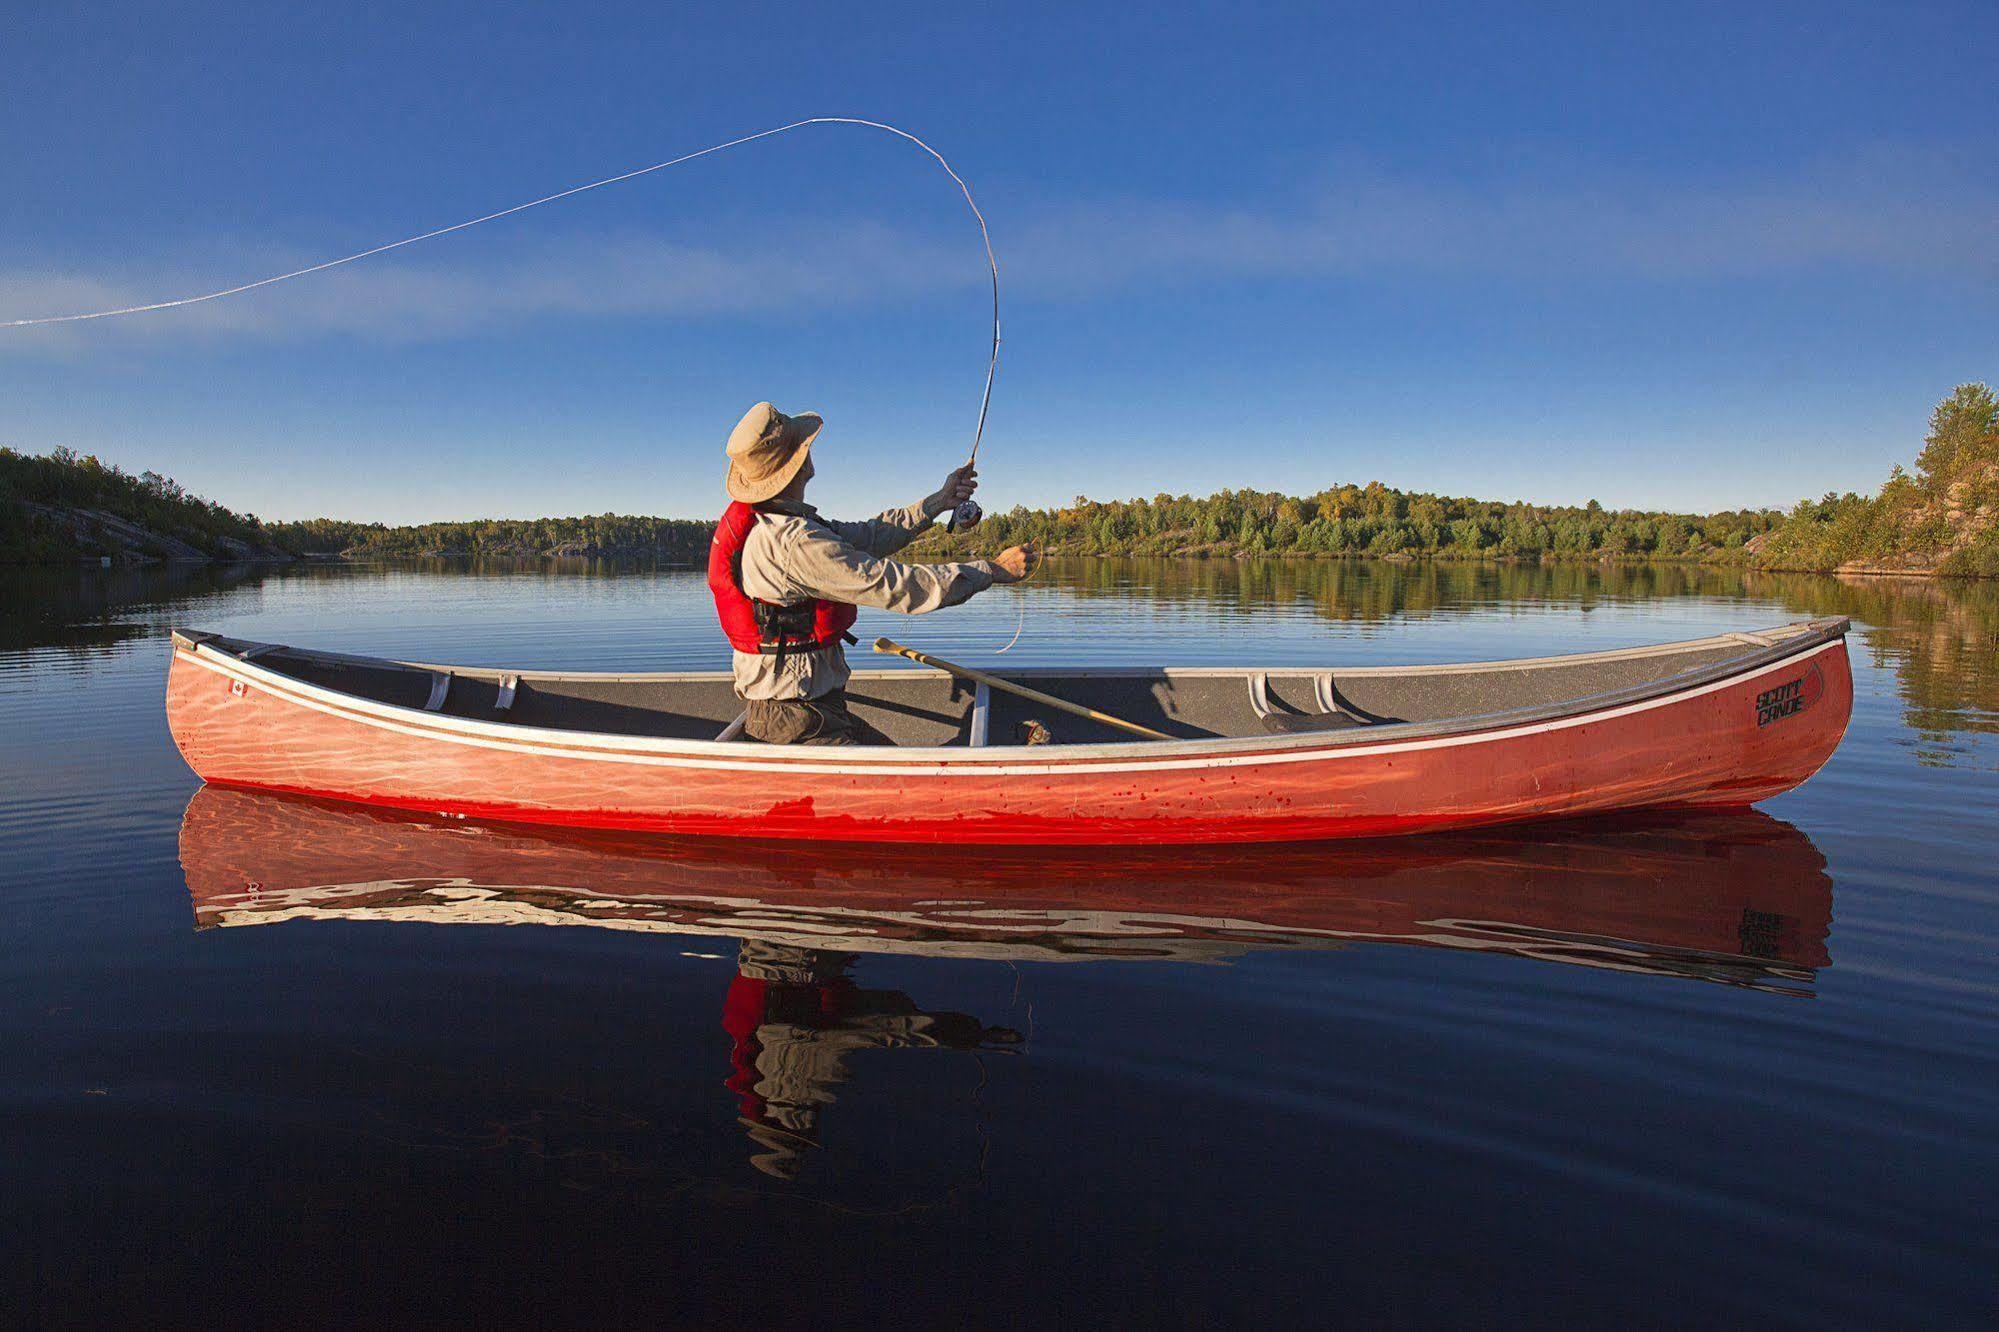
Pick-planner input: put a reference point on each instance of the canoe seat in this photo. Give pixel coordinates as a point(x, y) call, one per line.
point(1334, 714)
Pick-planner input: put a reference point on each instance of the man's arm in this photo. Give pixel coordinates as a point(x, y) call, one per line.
point(886, 533)
point(820, 562)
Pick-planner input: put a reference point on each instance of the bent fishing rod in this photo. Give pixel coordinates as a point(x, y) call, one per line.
point(965, 515)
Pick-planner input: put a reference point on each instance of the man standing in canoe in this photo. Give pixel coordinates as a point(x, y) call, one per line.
point(788, 583)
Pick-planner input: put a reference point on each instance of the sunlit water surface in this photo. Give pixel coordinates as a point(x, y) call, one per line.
point(1745, 1072)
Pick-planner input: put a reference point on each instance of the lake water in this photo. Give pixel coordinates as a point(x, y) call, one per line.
point(266, 1061)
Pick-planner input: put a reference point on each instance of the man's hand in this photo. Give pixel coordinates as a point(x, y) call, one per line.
point(957, 488)
point(1017, 562)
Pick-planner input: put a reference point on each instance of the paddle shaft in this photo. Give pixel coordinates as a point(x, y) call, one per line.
point(892, 648)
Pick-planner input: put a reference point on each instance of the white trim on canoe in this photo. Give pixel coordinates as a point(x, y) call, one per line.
point(929, 761)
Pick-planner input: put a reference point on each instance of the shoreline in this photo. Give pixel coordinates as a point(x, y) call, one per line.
point(682, 560)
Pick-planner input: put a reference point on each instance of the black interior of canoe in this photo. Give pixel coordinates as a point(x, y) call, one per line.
point(921, 707)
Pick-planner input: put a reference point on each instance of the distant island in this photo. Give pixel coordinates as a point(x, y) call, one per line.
point(1940, 519)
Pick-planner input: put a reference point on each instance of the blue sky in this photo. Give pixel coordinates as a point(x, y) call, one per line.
point(1694, 256)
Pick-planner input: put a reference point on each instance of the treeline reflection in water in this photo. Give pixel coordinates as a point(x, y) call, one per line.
point(1368, 591)
point(1940, 639)
point(92, 611)
point(1740, 900)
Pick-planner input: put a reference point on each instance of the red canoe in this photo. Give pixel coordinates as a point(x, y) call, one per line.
point(1285, 754)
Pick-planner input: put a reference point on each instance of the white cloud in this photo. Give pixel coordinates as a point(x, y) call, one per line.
point(443, 296)
point(1880, 212)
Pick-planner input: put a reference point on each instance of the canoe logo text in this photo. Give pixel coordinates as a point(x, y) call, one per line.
point(1790, 698)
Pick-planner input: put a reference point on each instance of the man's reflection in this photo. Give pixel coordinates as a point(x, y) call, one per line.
point(794, 1015)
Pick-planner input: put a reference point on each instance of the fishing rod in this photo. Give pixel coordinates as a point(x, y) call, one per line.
point(965, 515)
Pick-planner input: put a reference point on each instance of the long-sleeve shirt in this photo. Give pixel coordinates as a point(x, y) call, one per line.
point(793, 555)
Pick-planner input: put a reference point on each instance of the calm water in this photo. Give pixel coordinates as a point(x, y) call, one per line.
point(262, 1060)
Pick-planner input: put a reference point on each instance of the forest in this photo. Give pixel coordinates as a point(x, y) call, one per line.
point(1941, 518)
point(1361, 521)
point(62, 506)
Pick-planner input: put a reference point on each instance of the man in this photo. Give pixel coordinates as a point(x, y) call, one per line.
point(787, 583)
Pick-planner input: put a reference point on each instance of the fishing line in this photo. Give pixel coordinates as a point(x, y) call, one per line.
point(985, 238)
point(1020, 591)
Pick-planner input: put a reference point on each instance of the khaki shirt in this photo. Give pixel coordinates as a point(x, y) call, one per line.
point(793, 555)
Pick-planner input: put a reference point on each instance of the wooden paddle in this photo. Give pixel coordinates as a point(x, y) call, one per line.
point(892, 648)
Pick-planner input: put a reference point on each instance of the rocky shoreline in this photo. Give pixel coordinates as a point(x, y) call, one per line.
point(99, 536)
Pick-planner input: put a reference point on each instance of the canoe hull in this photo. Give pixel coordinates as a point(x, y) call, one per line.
point(1725, 745)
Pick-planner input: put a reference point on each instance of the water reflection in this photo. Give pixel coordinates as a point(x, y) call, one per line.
point(794, 1017)
point(1939, 639)
point(92, 611)
point(1370, 591)
point(1739, 899)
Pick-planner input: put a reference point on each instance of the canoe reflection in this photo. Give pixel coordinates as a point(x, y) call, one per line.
point(1739, 899)
point(1736, 899)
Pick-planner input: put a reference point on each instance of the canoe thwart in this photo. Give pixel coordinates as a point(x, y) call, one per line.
point(982, 715)
point(889, 647)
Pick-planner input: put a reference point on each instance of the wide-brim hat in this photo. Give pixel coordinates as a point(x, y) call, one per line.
point(766, 449)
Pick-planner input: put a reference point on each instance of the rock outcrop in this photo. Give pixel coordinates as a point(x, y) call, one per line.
point(97, 534)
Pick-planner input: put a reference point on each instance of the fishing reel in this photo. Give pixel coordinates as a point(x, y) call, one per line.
point(966, 515)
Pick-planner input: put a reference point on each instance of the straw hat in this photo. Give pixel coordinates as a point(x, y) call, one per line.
point(766, 449)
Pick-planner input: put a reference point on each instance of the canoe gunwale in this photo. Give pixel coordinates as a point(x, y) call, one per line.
point(1783, 642)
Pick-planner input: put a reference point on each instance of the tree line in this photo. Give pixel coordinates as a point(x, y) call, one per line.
point(1942, 518)
point(1351, 520)
point(1371, 520)
point(599, 534)
point(1354, 520)
point(48, 502)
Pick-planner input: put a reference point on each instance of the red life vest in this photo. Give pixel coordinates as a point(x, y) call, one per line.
point(763, 626)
